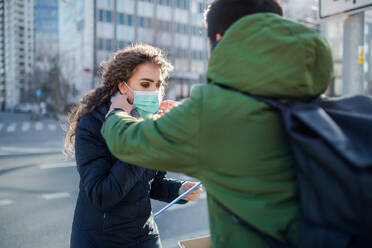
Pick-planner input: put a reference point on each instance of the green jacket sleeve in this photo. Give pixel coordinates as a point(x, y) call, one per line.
point(168, 142)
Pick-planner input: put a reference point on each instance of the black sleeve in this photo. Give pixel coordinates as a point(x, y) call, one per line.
point(104, 184)
point(165, 189)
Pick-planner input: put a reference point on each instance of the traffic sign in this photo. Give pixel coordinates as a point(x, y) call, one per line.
point(329, 8)
point(39, 93)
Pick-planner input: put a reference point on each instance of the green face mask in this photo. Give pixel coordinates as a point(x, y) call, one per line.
point(146, 102)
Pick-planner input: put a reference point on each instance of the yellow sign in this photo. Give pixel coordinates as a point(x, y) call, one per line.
point(361, 55)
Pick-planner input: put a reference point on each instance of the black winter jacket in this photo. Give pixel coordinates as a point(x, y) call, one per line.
point(113, 207)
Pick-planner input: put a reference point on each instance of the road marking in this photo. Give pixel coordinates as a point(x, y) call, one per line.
point(57, 165)
point(11, 127)
point(55, 195)
point(14, 150)
point(1, 126)
point(39, 126)
point(52, 127)
point(5, 202)
point(25, 126)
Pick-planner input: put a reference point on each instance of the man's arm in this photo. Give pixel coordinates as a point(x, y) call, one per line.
point(169, 142)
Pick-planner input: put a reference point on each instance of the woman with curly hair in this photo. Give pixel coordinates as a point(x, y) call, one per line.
point(113, 207)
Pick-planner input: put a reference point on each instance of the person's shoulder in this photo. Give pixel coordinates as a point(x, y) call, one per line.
point(89, 122)
point(198, 90)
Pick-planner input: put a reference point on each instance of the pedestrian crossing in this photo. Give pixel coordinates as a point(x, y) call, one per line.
point(26, 126)
point(11, 128)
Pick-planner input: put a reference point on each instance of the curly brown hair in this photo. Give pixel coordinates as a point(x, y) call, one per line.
point(119, 68)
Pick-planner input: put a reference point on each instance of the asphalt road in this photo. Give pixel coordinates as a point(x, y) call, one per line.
point(38, 190)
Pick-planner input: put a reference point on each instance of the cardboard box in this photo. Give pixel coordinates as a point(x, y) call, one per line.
point(202, 242)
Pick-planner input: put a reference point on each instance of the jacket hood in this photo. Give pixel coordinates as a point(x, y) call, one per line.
point(267, 55)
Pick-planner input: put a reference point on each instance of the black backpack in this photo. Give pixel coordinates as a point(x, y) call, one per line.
point(331, 142)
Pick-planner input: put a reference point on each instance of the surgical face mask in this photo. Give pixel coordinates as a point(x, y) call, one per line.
point(146, 102)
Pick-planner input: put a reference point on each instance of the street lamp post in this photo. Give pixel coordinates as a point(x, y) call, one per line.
point(94, 43)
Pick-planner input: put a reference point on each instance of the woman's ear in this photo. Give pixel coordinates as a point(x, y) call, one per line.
point(122, 88)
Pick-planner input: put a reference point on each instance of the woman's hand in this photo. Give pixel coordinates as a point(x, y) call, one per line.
point(166, 106)
point(121, 101)
point(194, 195)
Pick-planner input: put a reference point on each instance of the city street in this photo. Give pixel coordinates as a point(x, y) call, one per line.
point(38, 190)
point(21, 135)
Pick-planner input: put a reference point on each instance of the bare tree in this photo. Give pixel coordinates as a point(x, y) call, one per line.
point(49, 78)
point(59, 89)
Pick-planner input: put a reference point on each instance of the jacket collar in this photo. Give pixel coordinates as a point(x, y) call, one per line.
point(100, 112)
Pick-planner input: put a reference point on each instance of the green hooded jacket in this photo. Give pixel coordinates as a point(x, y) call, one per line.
point(233, 144)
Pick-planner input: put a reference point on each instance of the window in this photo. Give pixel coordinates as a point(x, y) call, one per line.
point(121, 44)
point(130, 20)
point(201, 8)
point(178, 28)
point(100, 44)
point(100, 15)
point(108, 16)
point(186, 4)
point(148, 23)
point(108, 45)
point(121, 18)
point(182, 4)
point(141, 22)
point(164, 25)
point(196, 31)
point(185, 29)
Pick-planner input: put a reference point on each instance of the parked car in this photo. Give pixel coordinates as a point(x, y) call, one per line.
point(23, 107)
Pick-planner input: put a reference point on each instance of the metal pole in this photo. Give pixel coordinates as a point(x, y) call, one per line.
point(94, 43)
point(352, 69)
point(115, 17)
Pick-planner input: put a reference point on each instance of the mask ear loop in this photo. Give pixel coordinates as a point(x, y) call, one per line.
point(128, 87)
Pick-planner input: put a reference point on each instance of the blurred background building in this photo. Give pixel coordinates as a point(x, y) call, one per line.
point(307, 13)
point(302, 11)
point(17, 49)
point(46, 31)
point(50, 50)
point(2, 56)
point(89, 32)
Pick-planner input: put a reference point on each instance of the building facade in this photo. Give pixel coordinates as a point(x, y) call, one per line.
point(18, 48)
point(90, 31)
point(2, 55)
point(46, 30)
point(303, 11)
